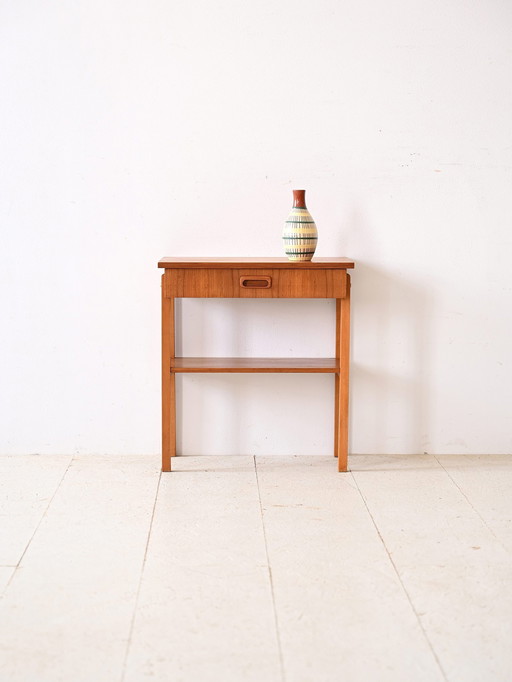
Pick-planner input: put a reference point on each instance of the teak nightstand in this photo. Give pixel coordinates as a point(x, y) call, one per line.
point(256, 278)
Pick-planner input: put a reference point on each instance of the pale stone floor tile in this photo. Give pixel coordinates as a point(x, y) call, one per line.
point(456, 573)
point(205, 610)
point(341, 609)
point(386, 463)
point(486, 482)
point(27, 484)
point(67, 612)
point(376, 574)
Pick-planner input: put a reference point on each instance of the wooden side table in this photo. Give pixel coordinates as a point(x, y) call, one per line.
point(256, 278)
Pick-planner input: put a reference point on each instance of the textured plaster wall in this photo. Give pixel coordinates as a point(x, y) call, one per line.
point(132, 130)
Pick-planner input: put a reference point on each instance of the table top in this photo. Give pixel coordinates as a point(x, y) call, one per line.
point(255, 262)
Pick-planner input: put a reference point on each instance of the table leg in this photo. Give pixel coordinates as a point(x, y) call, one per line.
point(336, 411)
point(168, 382)
point(342, 379)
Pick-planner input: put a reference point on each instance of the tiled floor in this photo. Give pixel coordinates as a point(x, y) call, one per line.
point(275, 569)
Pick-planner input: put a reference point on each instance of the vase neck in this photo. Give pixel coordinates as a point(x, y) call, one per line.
point(299, 198)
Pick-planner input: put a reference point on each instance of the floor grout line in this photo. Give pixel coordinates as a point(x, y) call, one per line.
point(491, 531)
point(276, 620)
point(3, 590)
point(43, 516)
point(427, 639)
point(139, 586)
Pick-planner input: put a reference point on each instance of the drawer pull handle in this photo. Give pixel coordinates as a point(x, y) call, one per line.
point(256, 283)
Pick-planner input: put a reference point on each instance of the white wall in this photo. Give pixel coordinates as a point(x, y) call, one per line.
point(132, 130)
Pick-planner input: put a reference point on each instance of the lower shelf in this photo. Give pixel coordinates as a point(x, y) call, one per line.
point(255, 365)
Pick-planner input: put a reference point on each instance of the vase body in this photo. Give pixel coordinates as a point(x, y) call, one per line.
point(299, 234)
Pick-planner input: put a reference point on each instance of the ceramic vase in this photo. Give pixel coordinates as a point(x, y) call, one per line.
point(300, 234)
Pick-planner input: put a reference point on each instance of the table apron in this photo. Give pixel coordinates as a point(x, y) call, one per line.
point(255, 283)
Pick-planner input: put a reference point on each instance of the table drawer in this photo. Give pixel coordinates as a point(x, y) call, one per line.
point(255, 283)
point(288, 283)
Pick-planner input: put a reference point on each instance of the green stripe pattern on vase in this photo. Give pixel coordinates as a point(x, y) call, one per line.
point(300, 234)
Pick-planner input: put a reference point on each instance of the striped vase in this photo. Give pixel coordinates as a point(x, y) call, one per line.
point(300, 234)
